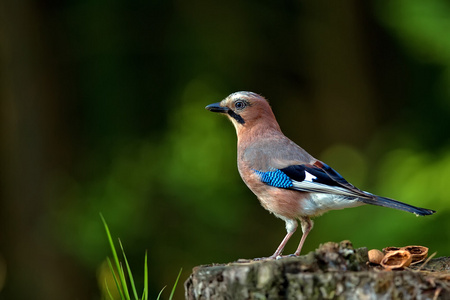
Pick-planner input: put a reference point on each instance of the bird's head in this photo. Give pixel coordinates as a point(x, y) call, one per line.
point(245, 109)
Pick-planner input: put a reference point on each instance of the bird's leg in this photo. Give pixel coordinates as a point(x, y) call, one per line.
point(291, 226)
point(306, 224)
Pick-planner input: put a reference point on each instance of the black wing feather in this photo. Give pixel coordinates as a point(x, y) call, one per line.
point(326, 176)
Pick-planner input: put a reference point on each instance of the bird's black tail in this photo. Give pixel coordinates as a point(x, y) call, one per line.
point(387, 202)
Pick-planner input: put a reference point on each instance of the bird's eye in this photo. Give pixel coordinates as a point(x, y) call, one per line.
point(239, 104)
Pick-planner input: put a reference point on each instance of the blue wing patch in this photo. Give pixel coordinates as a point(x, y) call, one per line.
point(275, 178)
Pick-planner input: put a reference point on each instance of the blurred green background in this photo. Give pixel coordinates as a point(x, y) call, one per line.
point(102, 110)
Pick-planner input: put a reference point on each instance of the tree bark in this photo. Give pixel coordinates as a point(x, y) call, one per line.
point(334, 271)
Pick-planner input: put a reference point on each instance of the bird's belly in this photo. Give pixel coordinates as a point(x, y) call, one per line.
point(319, 203)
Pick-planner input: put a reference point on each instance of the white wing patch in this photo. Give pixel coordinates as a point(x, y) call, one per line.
point(310, 186)
point(309, 176)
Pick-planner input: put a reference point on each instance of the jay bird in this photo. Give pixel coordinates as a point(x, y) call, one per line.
point(288, 181)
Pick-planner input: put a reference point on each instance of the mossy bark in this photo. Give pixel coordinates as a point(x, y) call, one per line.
point(334, 271)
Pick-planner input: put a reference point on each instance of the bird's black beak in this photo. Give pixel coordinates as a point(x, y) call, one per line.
point(215, 107)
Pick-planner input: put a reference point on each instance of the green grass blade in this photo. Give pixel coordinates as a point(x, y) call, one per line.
point(123, 280)
point(145, 293)
point(160, 292)
point(116, 260)
point(175, 285)
point(120, 279)
point(119, 288)
point(130, 275)
point(107, 289)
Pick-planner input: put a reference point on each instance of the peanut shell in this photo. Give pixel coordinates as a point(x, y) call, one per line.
point(418, 253)
point(396, 259)
point(375, 256)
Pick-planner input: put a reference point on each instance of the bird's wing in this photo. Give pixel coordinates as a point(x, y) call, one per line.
point(317, 177)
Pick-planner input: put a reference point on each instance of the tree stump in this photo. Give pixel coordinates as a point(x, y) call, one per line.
point(334, 271)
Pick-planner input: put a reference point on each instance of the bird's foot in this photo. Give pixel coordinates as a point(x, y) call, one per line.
point(286, 256)
point(292, 255)
point(264, 258)
point(276, 257)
